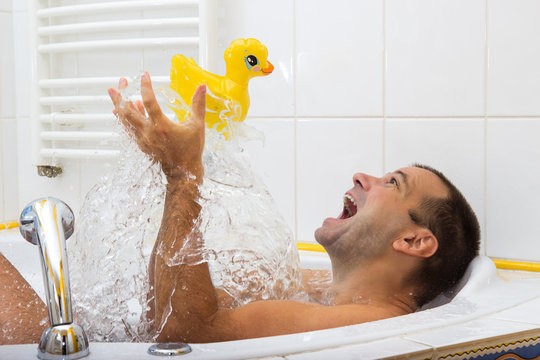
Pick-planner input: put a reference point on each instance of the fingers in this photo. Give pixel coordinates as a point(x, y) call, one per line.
point(149, 99)
point(122, 84)
point(140, 107)
point(115, 96)
point(131, 116)
point(198, 105)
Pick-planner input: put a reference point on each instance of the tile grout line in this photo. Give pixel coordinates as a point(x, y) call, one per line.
point(3, 189)
point(486, 73)
point(384, 53)
point(295, 124)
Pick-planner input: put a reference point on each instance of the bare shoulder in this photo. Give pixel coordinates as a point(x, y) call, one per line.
point(280, 317)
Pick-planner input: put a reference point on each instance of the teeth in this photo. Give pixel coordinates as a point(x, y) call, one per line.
point(347, 203)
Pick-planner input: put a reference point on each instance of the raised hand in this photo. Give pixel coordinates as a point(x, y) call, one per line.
point(176, 146)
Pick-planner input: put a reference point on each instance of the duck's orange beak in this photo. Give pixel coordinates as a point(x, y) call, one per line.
point(268, 69)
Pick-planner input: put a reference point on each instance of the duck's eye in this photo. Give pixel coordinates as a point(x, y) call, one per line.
point(251, 61)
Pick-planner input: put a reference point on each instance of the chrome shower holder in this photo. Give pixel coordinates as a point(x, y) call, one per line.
point(48, 222)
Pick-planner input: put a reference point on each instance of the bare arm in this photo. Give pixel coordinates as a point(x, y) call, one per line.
point(186, 303)
point(23, 315)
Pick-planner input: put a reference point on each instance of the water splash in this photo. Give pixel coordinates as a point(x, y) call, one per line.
point(249, 248)
point(109, 254)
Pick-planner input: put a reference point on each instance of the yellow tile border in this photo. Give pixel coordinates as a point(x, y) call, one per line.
point(500, 264)
point(516, 265)
point(8, 225)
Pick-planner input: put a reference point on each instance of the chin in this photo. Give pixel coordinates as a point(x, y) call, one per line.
point(323, 237)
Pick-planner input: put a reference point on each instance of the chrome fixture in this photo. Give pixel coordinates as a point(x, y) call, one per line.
point(48, 222)
point(169, 349)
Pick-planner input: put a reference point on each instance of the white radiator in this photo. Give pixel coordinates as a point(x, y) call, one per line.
point(83, 47)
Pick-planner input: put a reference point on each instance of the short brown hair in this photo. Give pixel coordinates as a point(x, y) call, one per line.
point(454, 224)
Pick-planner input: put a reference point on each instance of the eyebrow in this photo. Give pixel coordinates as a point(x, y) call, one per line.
point(405, 179)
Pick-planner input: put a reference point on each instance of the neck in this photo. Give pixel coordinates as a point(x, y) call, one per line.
point(374, 283)
point(236, 78)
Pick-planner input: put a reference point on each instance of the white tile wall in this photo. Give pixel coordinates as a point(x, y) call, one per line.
point(2, 201)
point(272, 24)
point(21, 51)
point(513, 194)
point(328, 153)
point(391, 62)
point(9, 169)
point(7, 98)
point(273, 162)
point(339, 53)
point(6, 5)
point(435, 57)
point(20, 5)
point(453, 146)
point(513, 72)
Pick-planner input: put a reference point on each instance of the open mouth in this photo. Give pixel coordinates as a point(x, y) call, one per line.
point(349, 207)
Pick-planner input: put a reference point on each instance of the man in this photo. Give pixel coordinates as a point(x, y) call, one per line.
point(400, 240)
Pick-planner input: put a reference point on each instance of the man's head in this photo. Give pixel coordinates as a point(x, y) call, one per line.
point(453, 222)
point(414, 211)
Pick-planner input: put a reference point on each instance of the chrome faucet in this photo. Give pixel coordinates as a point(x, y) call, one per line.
point(48, 222)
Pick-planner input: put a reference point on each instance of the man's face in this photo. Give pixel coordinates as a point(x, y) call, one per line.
point(376, 211)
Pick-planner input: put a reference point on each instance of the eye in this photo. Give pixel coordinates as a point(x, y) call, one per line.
point(394, 182)
point(251, 61)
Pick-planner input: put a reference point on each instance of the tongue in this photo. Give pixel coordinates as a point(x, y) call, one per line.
point(344, 213)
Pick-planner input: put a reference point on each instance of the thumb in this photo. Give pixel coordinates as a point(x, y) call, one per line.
point(198, 105)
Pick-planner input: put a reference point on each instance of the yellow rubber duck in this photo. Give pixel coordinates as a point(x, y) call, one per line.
point(227, 98)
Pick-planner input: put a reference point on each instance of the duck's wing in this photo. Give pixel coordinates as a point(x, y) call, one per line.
point(223, 109)
point(186, 76)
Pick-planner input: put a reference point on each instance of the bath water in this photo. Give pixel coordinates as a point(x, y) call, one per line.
point(249, 247)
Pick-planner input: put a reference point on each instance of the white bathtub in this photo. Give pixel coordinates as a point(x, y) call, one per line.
point(486, 309)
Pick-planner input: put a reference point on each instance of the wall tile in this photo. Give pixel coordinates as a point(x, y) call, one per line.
point(513, 170)
point(22, 53)
point(339, 53)
point(453, 146)
point(435, 57)
point(272, 24)
point(66, 187)
point(2, 196)
point(32, 186)
point(7, 79)
point(6, 5)
point(514, 54)
point(329, 152)
point(9, 169)
point(20, 5)
point(273, 160)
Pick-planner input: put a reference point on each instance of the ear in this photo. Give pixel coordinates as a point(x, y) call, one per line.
point(418, 242)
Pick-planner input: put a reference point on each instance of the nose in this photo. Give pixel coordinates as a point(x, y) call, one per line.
point(365, 181)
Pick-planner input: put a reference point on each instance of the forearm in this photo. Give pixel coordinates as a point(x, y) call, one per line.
point(185, 298)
